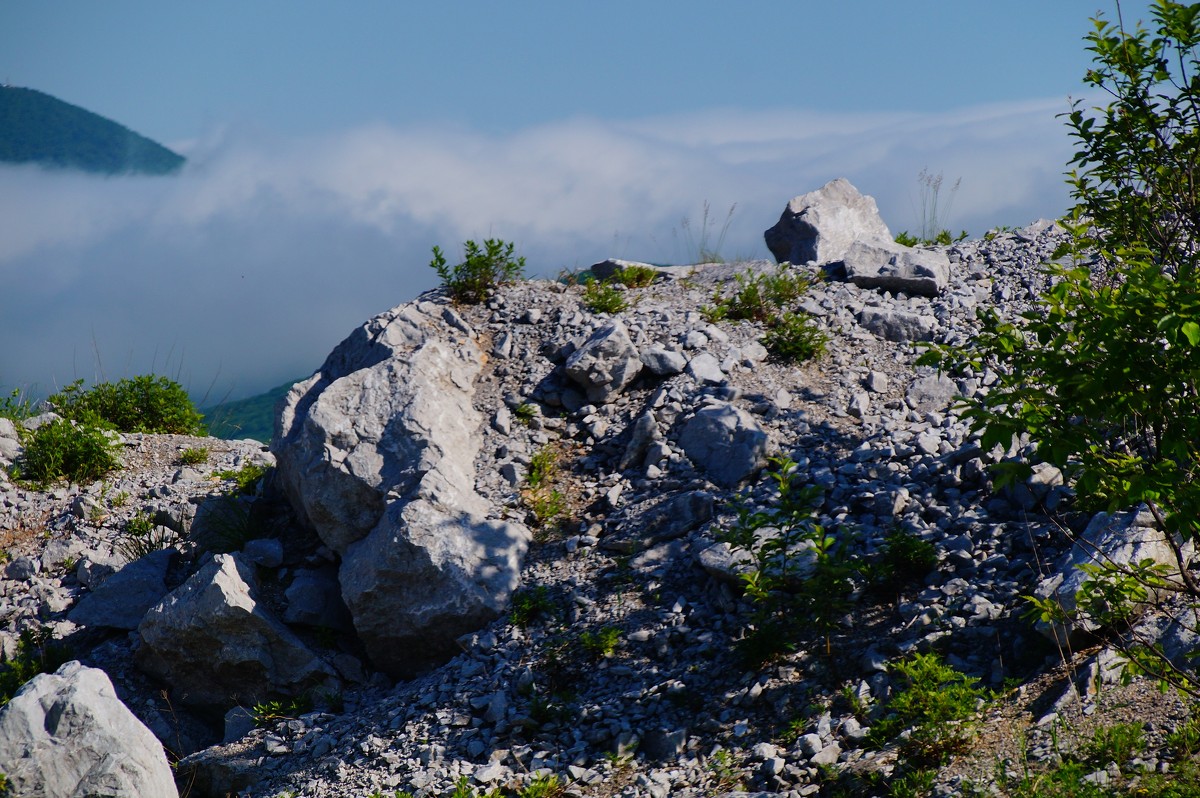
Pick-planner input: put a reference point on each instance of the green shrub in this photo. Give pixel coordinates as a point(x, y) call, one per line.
point(801, 577)
point(525, 412)
point(795, 338)
point(64, 449)
point(903, 558)
point(268, 713)
point(246, 478)
point(141, 536)
point(481, 271)
point(194, 456)
point(1103, 375)
point(635, 276)
point(937, 703)
point(16, 407)
point(603, 297)
point(530, 604)
point(141, 404)
point(543, 467)
point(602, 643)
point(759, 297)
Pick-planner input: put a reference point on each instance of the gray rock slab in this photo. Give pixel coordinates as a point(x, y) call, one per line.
point(605, 363)
point(893, 267)
point(122, 600)
point(896, 325)
point(216, 644)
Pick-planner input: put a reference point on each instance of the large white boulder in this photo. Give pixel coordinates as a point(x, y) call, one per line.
point(67, 735)
point(822, 225)
point(377, 453)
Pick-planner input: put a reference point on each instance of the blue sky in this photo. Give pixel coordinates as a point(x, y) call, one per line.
point(330, 145)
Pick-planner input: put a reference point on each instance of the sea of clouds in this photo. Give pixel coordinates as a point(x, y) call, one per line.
point(245, 269)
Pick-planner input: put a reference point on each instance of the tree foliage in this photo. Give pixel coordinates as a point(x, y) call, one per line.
point(1103, 375)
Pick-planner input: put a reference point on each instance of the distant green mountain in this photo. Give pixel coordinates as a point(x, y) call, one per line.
point(38, 128)
point(246, 418)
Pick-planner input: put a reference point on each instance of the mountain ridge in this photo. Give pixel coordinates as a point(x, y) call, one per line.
point(39, 128)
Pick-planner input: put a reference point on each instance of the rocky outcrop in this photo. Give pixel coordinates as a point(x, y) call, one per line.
point(67, 734)
point(822, 226)
point(376, 451)
point(215, 643)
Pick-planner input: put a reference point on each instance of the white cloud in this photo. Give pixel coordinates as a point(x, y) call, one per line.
point(248, 267)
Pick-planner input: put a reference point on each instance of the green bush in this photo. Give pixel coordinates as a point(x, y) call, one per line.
point(801, 577)
point(530, 604)
point(16, 407)
point(759, 297)
point(141, 404)
point(601, 296)
point(481, 271)
point(65, 449)
point(1103, 375)
point(194, 456)
point(635, 276)
point(936, 703)
point(795, 338)
point(142, 536)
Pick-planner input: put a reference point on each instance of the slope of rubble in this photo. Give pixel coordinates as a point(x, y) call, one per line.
point(618, 670)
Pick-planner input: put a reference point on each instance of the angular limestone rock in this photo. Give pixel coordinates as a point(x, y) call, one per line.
point(377, 453)
point(822, 225)
point(67, 734)
point(216, 645)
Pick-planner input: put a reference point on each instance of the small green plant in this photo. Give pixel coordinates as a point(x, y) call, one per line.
point(530, 604)
point(795, 337)
point(142, 404)
point(545, 785)
point(936, 704)
point(482, 270)
point(1184, 741)
point(246, 478)
point(1117, 743)
point(543, 467)
point(65, 449)
point(635, 276)
point(194, 456)
point(17, 407)
point(37, 652)
point(602, 643)
point(268, 713)
point(801, 576)
point(525, 413)
point(903, 558)
point(759, 296)
point(725, 771)
point(904, 239)
point(547, 506)
point(603, 297)
point(141, 536)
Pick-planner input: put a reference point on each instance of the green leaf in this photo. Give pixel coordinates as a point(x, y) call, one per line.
point(1192, 331)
